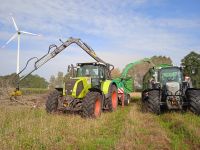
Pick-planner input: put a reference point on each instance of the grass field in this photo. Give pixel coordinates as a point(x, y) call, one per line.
point(22, 127)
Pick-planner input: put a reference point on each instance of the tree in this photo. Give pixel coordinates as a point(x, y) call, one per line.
point(115, 73)
point(8, 80)
point(52, 82)
point(31, 81)
point(59, 79)
point(70, 73)
point(34, 81)
point(191, 67)
point(161, 60)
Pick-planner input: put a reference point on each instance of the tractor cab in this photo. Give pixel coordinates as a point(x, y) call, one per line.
point(86, 77)
point(96, 71)
point(93, 70)
point(170, 74)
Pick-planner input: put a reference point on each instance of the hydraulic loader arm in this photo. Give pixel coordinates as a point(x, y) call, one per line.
point(56, 50)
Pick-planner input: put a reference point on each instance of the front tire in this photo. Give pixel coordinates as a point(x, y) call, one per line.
point(151, 102)
point(193, 95)
point(92, 105)
point(52, 101)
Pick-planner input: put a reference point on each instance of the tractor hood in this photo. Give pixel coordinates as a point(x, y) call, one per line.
point(78, 87)
point(173, 87)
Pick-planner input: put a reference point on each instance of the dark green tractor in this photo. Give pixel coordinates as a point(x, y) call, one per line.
point(165, 88)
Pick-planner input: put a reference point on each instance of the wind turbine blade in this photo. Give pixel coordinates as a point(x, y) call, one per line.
point(16, 28)
point(12, 38)
point(25, 32)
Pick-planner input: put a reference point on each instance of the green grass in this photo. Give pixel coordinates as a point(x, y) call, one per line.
point(25, 128)
point(136, 96)
point(182, 129)
point(22, 127)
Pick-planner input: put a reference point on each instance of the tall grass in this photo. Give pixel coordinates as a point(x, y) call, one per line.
point(183, 129)
point(25, 128)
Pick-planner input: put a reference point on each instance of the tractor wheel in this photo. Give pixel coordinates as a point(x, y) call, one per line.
point(112, 101)
point(152, 102)
point(52, 101)
point(127, 99)
point(92, 105)
point(144, 105)
point(193, 96)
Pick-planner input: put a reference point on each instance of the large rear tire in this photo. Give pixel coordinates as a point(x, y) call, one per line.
point(52, 101)
point(193, 95)
point(92, 105)
point(151, 102)
point(112, 101)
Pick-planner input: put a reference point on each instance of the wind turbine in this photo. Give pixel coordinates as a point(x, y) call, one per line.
point(17, 34)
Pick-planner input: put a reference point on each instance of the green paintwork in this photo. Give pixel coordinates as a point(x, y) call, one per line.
point(105, 86)
point(87, 85)
point(162, 66)
point(126, 82)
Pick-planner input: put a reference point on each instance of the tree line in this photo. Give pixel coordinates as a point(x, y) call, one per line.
point(31, 81)
point(190, 63)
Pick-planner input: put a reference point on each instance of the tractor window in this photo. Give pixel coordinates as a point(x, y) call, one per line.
point(88, 70)
point(170, 74)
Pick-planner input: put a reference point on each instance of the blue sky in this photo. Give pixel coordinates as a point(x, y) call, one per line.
point(119, 31)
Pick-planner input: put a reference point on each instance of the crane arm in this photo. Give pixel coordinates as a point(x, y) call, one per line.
point(56, 50)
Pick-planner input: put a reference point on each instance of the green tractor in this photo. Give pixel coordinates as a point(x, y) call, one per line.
point(164, 88)
point(88, 93)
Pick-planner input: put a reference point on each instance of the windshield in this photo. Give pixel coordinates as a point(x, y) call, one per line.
point(170, 74)
point(88, 71)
